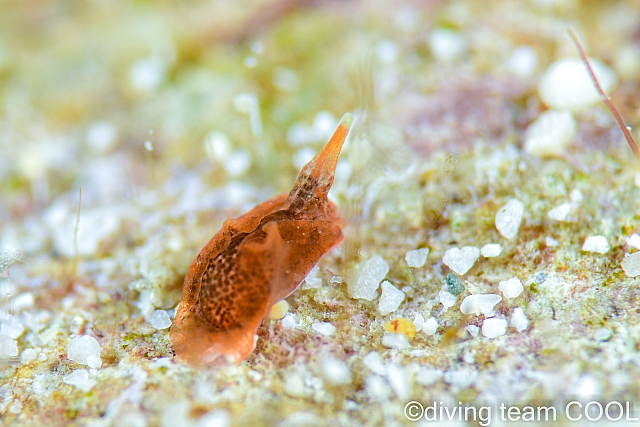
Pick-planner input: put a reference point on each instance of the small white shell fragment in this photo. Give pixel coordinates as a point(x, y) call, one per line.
point(427, 377)
point(461, 260)
point(312, 281)
point(603, 334)
point(85, 350)
point(390, 299)
point(511, 288)
point(23, 301)
point(566, 85)
point(479, 303)
point(80, 379)
point(418, 321)
point(559, 213)
point(596, 244)
point(11, 327)
point(8, 347)
point(492, 328)
point(509, 217)
point(447, 299)
point(159, 319)
point(372, 273)
point(550, 134)
point(335, 371)
point(398, 341)
point(551, 242)
point(373, 361)
point(446, 45)
point(323, 328)
point(473, 330)
point(28, 355)
point(491, 250)
point(576, 195)
point(631, 264)
point(523, 61)
point(634, 241)
point(519, 319)
point(417, 257)
point(290, 321)
point(430, 326)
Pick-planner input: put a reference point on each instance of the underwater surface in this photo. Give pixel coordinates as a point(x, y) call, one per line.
point(490, 203)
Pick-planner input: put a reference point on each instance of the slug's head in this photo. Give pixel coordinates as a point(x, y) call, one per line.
point(316, 177)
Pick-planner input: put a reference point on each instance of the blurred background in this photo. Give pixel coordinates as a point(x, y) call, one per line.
point(118, 96)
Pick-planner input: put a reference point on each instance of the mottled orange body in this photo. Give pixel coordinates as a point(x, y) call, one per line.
point(257, 260)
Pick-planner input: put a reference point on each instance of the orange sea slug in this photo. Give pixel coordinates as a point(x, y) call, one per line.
point(257, 260)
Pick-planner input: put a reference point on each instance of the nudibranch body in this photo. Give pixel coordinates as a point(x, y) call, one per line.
point(257, 260)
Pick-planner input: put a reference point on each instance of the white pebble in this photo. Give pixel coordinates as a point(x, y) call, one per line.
point(566, 85)
point(146, 74)
point(399, 380)
point(447, 299)
point(446, 45)
point(551, 242)
point(102, 136)
point(289, 321)
point(217, 146)
point(576, 195)
point(371, 274)
point(312, 281)
point(23, 301)
point(323, 328)
point(430, 326)
point(80, 379)
point(511, 288)
point(96, 225)
point(159, 319)
point(238, 163)
point(473, 330)
point(215, 418)
point(373, 361)
point(491, 250)
point(603, 334)
point(418, 321)
point(509, 217)
point(559, 213)
point(28, 355)
point(550, 134)
point(85, 350)
point(597, 244)
point(460, 379)
point(390, 299)
point(417, 257)
point(479, 303)
point(493, 327)
point(523, 61)
point(634, 240)
point(427, 377)
point(16, 407)
point(8, 347)
point(631, 264)
point(11, 327)
point(461, 260)
point(398, 341)
point(519, 319)
point(335, 371)
point(294, 385)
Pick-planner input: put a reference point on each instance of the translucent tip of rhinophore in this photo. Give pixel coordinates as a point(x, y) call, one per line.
point(346, 120)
